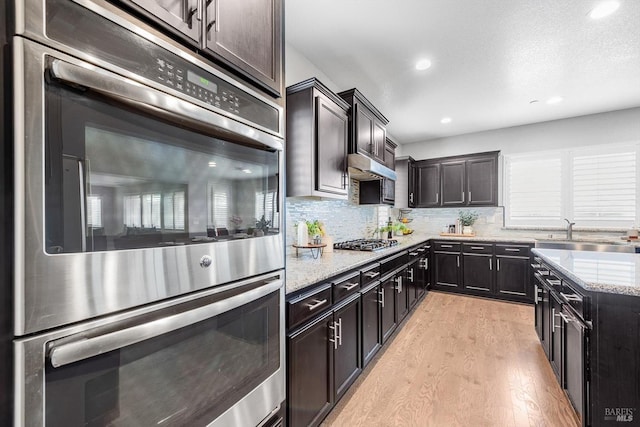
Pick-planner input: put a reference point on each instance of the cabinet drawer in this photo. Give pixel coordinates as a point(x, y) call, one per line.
point(369, 274)
point(477, 248)
point(512, 250)
point(393, 262)
point(346, 285)
point(305, 306)
point(446, 246)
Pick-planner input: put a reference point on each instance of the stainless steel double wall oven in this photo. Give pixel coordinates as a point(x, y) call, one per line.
point(148, 245)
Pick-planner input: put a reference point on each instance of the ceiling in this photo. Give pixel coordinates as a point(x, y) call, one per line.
point(490, 58)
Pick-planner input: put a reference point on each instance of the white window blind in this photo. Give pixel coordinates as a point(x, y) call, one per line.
point(533, 190)
point(265, 202)
point(604, 188)
point(151, 216)
point(132, 211)
point(94, 211)
point(173, 210)
point(218, 208)
point(594, 187)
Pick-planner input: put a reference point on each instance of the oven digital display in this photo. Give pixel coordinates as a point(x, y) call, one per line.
point(202, 82)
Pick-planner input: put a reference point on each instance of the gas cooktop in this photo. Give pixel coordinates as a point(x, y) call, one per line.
point(365, 244)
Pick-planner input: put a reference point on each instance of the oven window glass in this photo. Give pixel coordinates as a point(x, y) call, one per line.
point(184, 378)
point(117, 178)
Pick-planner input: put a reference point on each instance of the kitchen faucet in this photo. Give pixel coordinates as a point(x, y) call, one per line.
point(569, 229)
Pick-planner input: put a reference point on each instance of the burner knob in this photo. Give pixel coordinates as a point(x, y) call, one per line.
point(206, 261)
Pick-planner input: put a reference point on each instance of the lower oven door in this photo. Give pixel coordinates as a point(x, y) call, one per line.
point(216, 359)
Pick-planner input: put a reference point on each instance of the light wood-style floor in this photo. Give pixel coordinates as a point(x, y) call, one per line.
point(459, 361)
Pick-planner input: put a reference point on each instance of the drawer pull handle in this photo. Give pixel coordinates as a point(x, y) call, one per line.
point(535, 266)
point(421, 250)
point(316, 304)
point(413, 253)
point(446, 246)
point(349, 286)
point(477, 248)
point(512, 250)
point(570, 297)
point(372, 274)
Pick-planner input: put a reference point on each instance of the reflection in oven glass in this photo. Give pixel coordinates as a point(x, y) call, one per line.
point(184, 378)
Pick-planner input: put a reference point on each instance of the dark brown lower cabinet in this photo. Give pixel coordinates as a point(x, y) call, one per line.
point(477, 272)
point(446, 270)
point(557, 337)
point(388, 312)
point(371, 340)
point(412, 283)
point(347, 364)
point(402, 295)
point(310, 383)
point(324, 361)
point(512, 276)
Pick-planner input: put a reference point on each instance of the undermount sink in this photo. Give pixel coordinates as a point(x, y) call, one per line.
point(571, 245)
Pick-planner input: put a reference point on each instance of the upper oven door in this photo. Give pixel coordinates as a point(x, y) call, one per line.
point(127, 195)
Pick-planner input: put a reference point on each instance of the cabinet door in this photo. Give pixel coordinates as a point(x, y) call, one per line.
point(477, 273)
point(512, 276)
point(413, 186)
point(402, 296)
point(424, 276)
point(371, 341)
point(447, 270)
point(538, 313)
point(388, 313)
point(557, 338)
point(248, 35)
point(412, 276)
point(310, 373)
point(546, 322)
point(379, 140)
point(347, 364)
point(331, 147)
point(364, 131)
point(482, 187)
point(453, 183)
point(180, 15)
point(428, 185)
point(390, 156)
point(388, 191)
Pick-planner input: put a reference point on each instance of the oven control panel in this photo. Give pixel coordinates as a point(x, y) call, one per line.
point(200, 85)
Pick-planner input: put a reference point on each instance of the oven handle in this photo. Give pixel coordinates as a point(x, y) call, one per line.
point(155, 101)
point(86, 348)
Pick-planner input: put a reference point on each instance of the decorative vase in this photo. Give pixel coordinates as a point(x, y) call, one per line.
point(467, 229)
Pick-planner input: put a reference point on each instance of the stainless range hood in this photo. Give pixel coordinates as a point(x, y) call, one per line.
point(363, 168)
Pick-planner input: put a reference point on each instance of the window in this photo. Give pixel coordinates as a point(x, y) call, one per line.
point(595, 187)
point(94, 211)
point(265, 202)
point(173, 210)
point(151, 216)
point(218, 208)
point(132, 211)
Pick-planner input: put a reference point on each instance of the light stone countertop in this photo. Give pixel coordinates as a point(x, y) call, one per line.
point(303, 270)
point(610, 272)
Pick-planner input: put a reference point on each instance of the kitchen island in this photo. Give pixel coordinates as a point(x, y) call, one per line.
point(595, 298)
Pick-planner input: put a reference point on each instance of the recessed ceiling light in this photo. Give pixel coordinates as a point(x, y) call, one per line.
point(533, 101)
point(246, 170)
point(605, 8)
point(423, 64)
point(445, 120)
point(554, 100)
point(212, 164)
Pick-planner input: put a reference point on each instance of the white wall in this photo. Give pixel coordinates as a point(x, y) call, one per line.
point(299, 68)
point(612, 127)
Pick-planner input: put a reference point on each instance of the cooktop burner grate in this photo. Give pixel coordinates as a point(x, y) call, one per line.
point(365, 244)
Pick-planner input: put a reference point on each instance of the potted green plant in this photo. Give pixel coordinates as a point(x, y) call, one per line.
point(315, 230)
point(467, 219)
point(262, 226)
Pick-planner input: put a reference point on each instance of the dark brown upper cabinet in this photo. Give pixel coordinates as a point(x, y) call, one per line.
point(317, 125)
point(405, 195)
point(367, 126)
point(390, 154)
point(470, 180)
point(244, 36)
